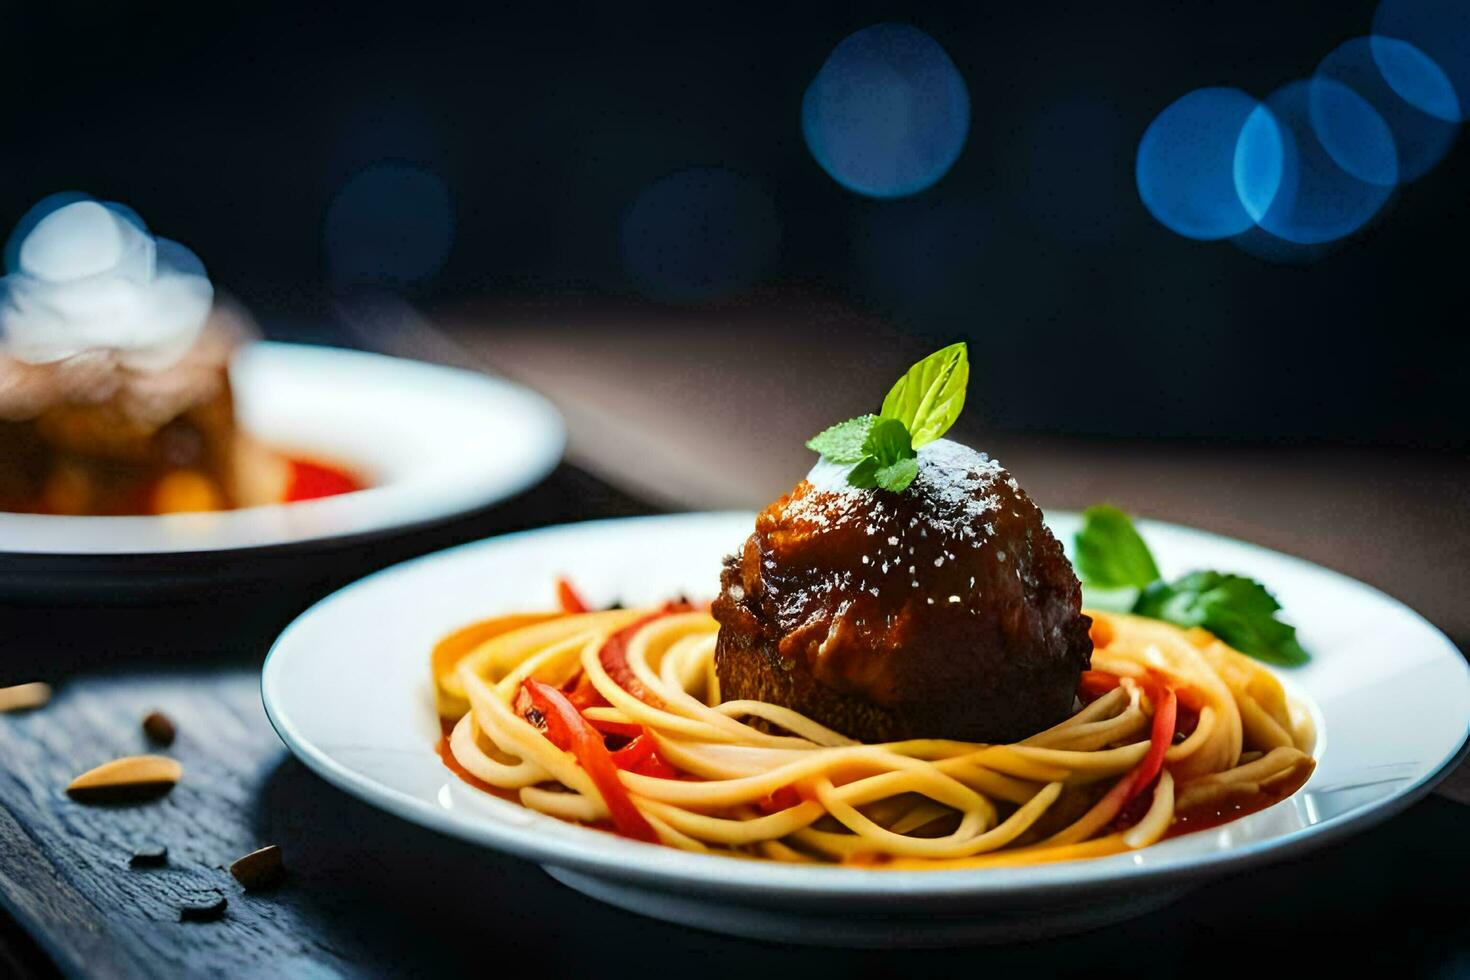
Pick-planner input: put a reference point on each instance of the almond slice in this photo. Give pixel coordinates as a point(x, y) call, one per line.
point(259, 869)
point(23, 697)
point(129, 779)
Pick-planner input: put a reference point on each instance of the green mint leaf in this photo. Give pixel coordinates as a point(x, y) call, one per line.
point(843, 442)
point(864, 475)
point(931, 395)
point(888, 442)
point(1110, 552)
point(897, 476)
point(888, 460)
point(1236, 609)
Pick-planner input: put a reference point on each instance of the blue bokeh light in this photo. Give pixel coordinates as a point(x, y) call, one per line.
point(391, 224)
point(1416, 79)
point(1352, 132)
point(1439, 29)
point(1189, 172)
point(1257, 160)
point(1338, 163)
point(888, 113)
point(699, 234)
point(1381, 71)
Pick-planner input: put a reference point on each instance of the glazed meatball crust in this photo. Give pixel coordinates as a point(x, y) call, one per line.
point(945, 611)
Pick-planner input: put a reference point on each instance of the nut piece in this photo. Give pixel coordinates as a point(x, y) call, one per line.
point(259, 869)
point(207, 907)
point(159, 728)
point(149, 856)
point(129, 779)
point(24, 697)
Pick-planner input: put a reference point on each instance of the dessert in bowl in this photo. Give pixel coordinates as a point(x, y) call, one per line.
point(151, 446)
point(115, 393)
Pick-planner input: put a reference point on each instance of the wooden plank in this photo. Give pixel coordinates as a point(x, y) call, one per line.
point(69, 881)
point(365, 894)
point(64, 872)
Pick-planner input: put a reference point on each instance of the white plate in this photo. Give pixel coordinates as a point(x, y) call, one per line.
point(347, 688)
point(434, 441)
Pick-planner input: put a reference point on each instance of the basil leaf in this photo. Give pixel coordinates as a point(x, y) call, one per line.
point(929, 398)
point(843, 442)
point(1238, 610)
point(1115, 564)
point(1110, 552)
point(897, 476)
point(888, 442)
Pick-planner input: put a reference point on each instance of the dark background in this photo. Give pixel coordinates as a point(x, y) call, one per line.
point(232, 129)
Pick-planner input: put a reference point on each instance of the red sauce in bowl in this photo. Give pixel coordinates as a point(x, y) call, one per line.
point(310, 480)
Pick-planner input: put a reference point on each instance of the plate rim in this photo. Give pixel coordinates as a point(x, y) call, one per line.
point(662, 868)
point(546, 451)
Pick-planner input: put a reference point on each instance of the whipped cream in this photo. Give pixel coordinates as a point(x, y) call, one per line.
point(89, 278)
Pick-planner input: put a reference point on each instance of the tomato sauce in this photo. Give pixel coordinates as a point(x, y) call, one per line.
point(1235, 807)
point(447, 754)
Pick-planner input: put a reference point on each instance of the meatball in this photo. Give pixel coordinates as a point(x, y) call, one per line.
point(944, 611)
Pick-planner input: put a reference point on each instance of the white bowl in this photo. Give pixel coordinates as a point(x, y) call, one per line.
point(435, 442)
point(347, 687)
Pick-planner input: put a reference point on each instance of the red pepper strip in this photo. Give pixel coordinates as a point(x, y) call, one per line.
point(584, 695)
point(563, 721)
point(656, 768)
point(1142, 775)
point(525, 706)
point(614, 655)
point(640, 756)
point(570, 601)
point(634, 752)
point(624, 728)
point(1093, 684)
point(1166, 708)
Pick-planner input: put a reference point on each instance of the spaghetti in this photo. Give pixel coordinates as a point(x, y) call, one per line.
point(615, 719)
